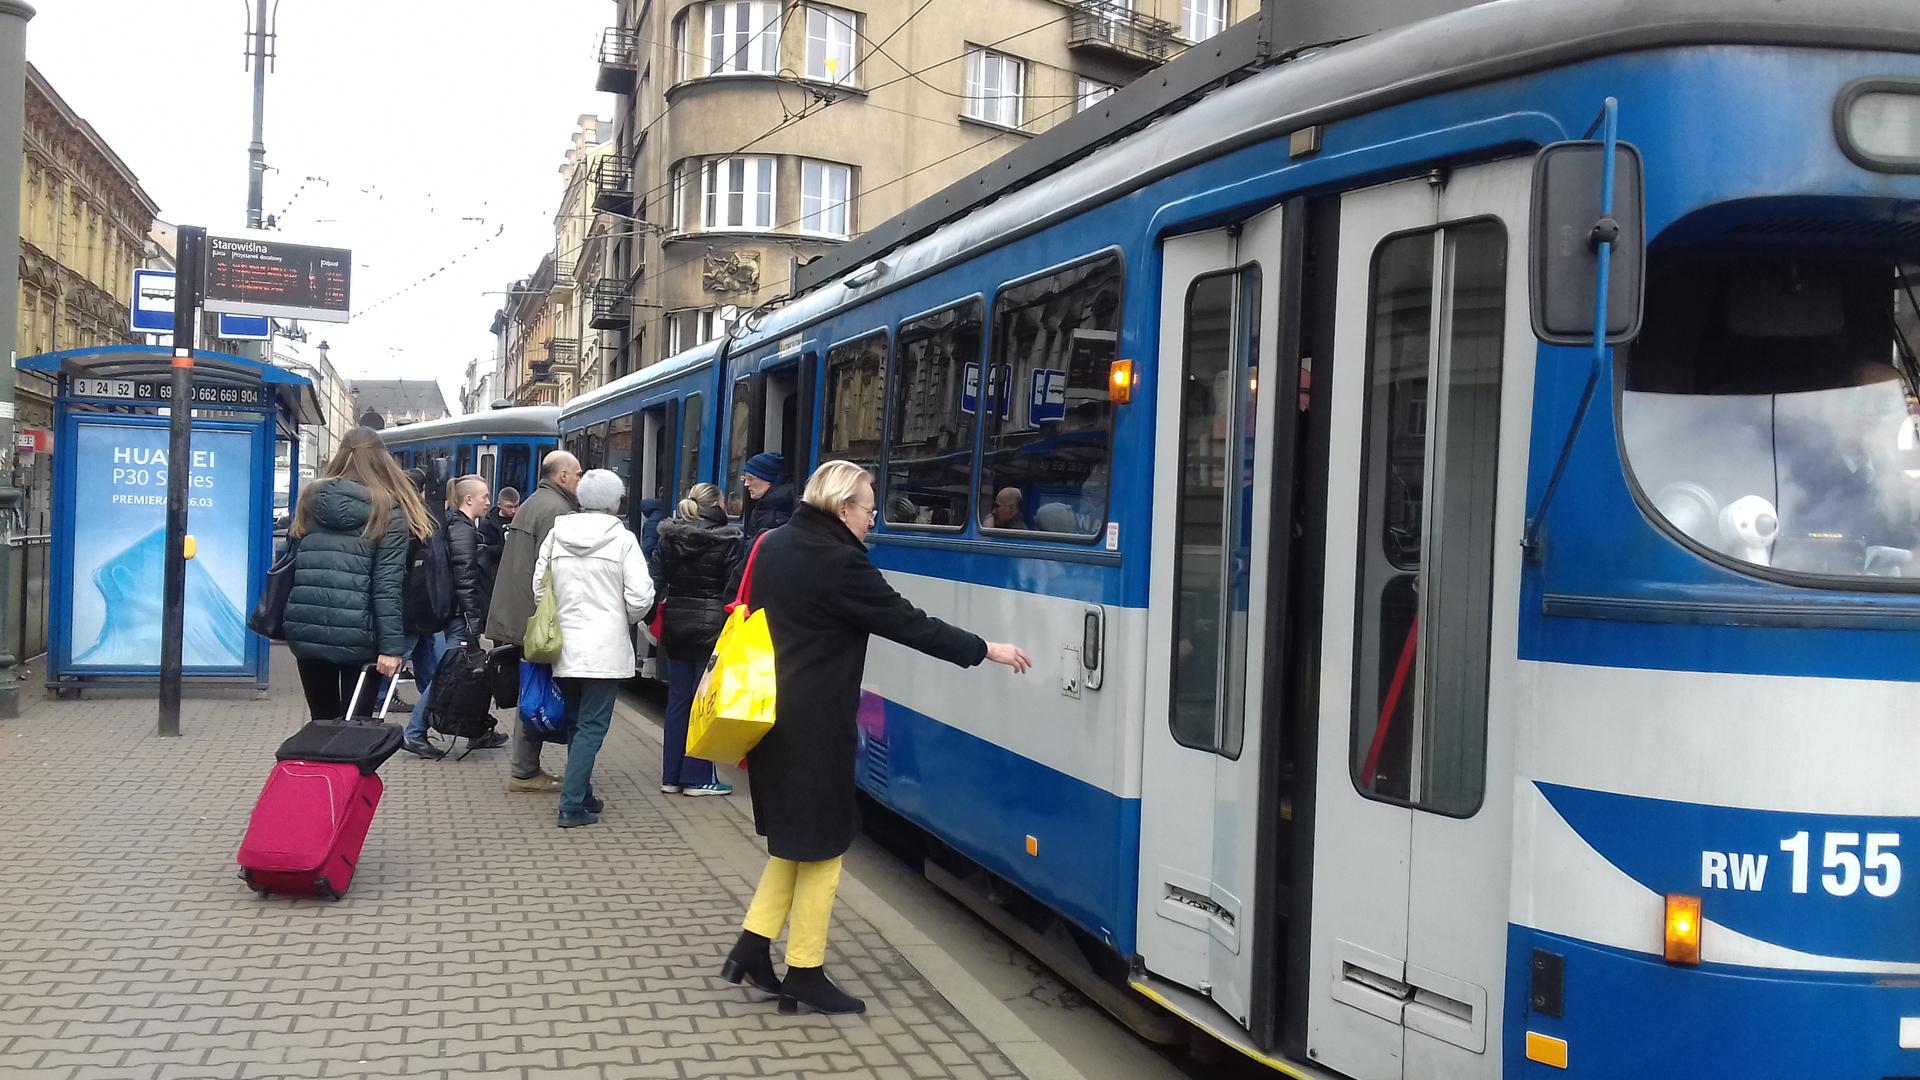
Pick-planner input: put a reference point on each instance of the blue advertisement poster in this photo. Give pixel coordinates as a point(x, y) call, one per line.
point(119, 543)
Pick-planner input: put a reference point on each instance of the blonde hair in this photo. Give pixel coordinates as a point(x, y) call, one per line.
point(454, 486)
point(834, 485)
point(363, 459)
point(699, 497)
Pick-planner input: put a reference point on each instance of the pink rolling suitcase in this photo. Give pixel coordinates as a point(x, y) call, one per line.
point(313, 816)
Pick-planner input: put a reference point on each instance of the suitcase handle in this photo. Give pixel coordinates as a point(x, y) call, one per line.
point(353, 703)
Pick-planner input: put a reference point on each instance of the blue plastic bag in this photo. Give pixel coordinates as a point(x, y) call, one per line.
point(540, 705)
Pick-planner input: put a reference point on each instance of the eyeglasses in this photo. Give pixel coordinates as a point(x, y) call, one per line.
point(873, 512)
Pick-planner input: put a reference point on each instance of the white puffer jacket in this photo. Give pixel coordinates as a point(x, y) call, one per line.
point(601, 589)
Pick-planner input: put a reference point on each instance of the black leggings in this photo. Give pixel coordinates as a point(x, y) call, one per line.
point(329, 685)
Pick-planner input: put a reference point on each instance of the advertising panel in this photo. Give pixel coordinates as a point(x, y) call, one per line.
point(119, 543)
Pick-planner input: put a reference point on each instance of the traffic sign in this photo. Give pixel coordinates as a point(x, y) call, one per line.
point(250, 276)
point(152, 311)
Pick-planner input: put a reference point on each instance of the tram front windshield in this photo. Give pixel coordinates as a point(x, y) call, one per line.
point(1771, 410)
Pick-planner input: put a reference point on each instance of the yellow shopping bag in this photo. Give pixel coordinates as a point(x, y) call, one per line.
point(733, 709)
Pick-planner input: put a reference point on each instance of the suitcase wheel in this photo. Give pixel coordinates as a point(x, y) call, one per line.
point(324, 890)
point(247, 877)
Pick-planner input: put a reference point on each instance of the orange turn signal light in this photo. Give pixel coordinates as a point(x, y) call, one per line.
point(1120, 382)
point(1683, 929)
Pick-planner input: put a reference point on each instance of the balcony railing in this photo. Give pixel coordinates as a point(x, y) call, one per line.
point(619, 60)
point(612, 305)
point(613, 185)
point(563, 352)
point(563, 279)
point(1117, 29)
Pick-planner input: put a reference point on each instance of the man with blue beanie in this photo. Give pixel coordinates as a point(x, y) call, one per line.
point(769, 503)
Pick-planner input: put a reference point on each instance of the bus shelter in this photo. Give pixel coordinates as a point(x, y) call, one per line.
point(110, 506)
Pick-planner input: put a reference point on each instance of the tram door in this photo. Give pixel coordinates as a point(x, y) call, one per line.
point(1429, 394)
point(1212, 555)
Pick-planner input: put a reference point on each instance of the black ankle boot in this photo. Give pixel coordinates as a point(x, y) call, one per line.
point(810, 988)
point(750, 961)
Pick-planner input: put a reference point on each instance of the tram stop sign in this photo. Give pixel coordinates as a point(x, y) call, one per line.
point(269, 277)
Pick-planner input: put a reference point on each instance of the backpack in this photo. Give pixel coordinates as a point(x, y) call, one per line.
point(426, 601)
point(461, 697)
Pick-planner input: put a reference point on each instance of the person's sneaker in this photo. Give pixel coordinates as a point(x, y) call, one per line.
point(490, 740)
point(594, 804)
point(400, 704)
point(574, 821)
point(423, 748)
point(697, 790)
point(537, 783)
point(671, 789)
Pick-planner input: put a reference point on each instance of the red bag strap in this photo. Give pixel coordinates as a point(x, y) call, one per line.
point(746, 575)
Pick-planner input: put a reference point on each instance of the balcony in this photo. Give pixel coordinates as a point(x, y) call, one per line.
point(612, 305)
point(613, 185)
point(563, 279)
point(563, 352)
point(1120, 31)
point(619, 60)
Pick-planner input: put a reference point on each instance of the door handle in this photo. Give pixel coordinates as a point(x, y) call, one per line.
point(1449, 1009)
point(1093, 643)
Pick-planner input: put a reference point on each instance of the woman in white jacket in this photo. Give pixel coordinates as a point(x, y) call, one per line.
point(600, 590)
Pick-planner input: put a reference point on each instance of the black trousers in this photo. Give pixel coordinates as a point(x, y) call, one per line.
point(328, 686)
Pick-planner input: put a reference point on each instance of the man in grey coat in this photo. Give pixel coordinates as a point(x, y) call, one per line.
point(512, 603)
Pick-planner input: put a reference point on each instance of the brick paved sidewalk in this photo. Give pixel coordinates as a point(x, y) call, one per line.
point(478, 939)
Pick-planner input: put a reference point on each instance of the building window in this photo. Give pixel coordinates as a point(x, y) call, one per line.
point(1201, 19)
point(707, 325)
point(678, 179)
point(1092, 92)
point(683, 65)
point(674, 342)
point(995, 84)
point(739, 193)
point(743, 38)
point(823, 197)
point(830, 56)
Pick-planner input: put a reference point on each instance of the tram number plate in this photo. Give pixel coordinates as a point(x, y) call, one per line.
point(1849, 862)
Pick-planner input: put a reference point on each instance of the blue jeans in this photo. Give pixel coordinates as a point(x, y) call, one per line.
point(683, 680)
point(425, 651)
point(590, 703)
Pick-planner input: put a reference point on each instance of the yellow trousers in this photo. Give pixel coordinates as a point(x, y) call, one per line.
point(800, 893)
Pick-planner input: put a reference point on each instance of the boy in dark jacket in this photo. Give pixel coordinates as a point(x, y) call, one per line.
point(472, 584)
point(771, 493)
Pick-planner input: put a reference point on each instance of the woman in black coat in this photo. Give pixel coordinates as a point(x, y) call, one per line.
point(692, 561)
point(823, 598)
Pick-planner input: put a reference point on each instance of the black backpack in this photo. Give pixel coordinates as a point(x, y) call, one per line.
point(426, 601)
point(460, 700)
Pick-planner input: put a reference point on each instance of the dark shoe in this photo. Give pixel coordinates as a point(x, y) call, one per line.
point(809, 988)
point(400, 705)
point(574, 821)
point(423, 748)
point(594, 804)
point(751, 962)
point(488, 741)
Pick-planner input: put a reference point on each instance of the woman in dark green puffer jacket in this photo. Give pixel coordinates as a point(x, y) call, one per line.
point(349, 566)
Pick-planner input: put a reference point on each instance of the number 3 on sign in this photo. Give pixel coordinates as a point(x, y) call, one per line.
point(1845, 870)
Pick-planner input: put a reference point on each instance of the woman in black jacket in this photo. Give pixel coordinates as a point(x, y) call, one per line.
point(350, 533)
point(822, 598)
point(691, 564)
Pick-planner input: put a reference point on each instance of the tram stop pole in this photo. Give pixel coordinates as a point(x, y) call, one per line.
point(190, 272)
point(13, 104)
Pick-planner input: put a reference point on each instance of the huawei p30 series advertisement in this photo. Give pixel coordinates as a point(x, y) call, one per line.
point(119, 544)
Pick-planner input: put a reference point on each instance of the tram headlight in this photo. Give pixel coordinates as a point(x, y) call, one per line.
point(1878, 124)
point(1683, 929)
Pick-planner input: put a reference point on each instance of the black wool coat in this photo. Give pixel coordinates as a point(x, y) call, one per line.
point(691, 565)
point(823, 598)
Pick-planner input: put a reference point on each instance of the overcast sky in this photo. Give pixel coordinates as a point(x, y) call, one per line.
point(436, 129)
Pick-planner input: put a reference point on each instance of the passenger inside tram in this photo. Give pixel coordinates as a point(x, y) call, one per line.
point(1770, 411)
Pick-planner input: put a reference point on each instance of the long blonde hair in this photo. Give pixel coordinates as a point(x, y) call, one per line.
point(363, 458)
point(699, 497)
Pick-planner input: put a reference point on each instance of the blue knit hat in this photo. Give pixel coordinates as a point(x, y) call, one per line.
point(768, 467)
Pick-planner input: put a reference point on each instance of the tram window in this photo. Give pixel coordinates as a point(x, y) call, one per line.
point(741, 445)
point(652, 476)
point(930, 443)
point(618, 455)
point(690, 424)
point(856, 401)
point(1426, 565)
point(487, 467)
point(466, 461)
point(1214, 526)
point(1772, 410)
point(515, 468)
point(1048, 415)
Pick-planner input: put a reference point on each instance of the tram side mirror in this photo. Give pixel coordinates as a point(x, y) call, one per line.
point(1568, 229)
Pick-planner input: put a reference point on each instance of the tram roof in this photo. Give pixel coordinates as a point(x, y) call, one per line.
point(1484, 43)
point(519, 420)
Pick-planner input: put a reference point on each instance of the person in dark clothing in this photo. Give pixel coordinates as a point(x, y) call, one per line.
point(472, 584)
point(350, 535)
point(652, 513)
point(691, 566)
point(493, 537)
point(822, 598)
point(771, 492)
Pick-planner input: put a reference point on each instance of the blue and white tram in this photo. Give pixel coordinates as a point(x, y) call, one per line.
point(1238, 425)
point(503, 445)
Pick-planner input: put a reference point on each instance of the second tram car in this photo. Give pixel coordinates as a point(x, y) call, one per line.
point(1413, 698)
point(502, 445)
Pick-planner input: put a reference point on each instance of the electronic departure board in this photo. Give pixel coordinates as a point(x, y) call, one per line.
point(268, 277)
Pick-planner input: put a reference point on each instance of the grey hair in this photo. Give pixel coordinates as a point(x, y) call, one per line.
point(600, 489)
point(834, 485)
